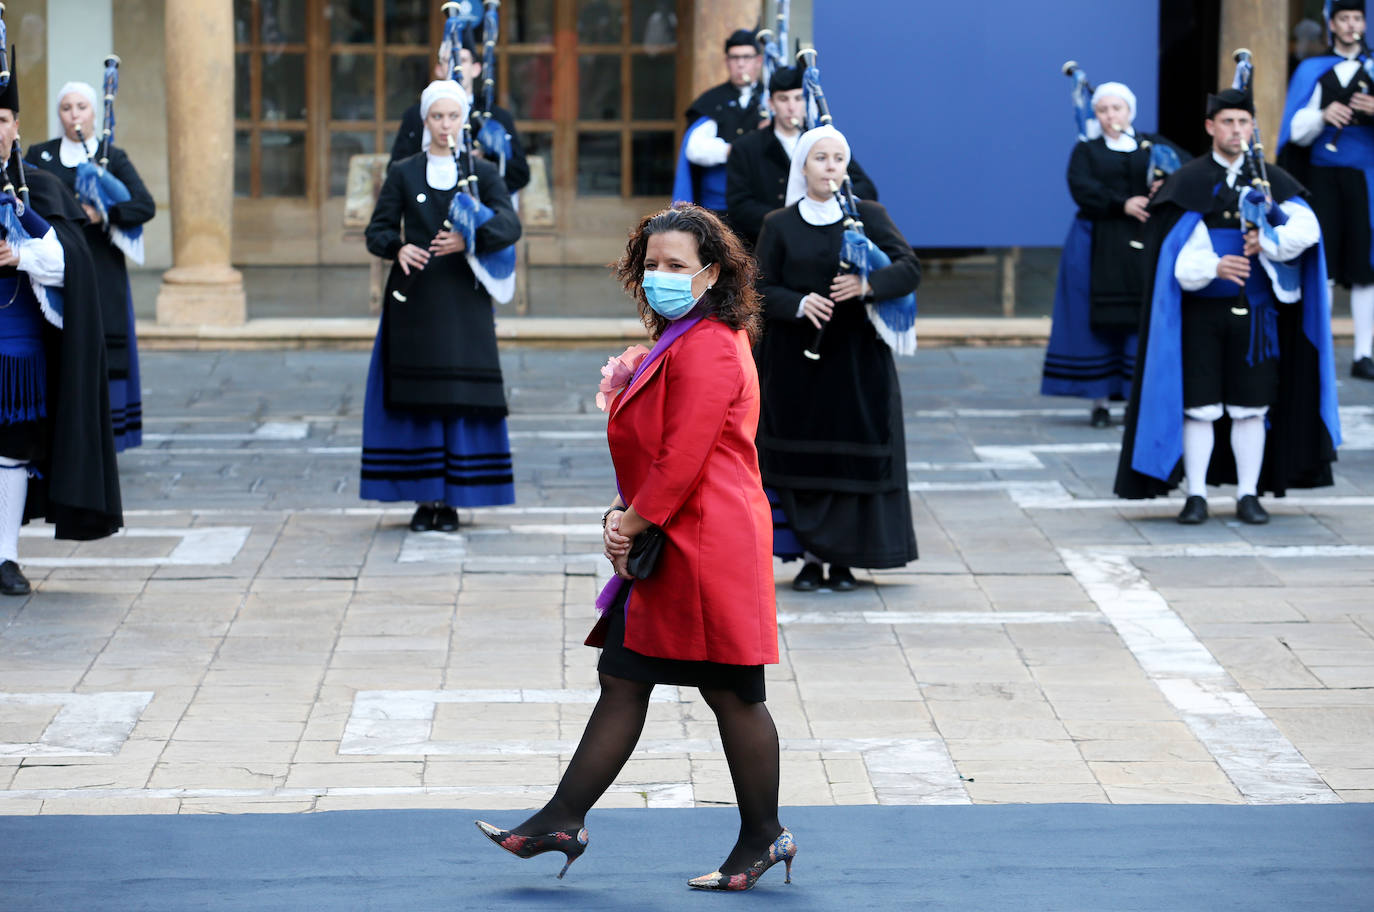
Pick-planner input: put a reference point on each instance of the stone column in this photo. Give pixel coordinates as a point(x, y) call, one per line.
point(201, 287)
point(712, 23)
point(1261, 26)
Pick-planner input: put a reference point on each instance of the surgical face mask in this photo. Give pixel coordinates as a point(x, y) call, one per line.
point(670, 293)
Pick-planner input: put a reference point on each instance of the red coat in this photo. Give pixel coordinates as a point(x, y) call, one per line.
point(682, 440)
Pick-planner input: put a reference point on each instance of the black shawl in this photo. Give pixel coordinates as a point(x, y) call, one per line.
point(439, 350)
point(78, 490)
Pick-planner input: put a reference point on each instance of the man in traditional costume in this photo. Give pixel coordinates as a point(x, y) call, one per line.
point(1329, 121)
point(57, 456)
point(760, 160)
point(1236, 331)
point(720, 116)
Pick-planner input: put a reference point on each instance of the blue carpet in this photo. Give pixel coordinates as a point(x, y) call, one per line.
point(1020, 858)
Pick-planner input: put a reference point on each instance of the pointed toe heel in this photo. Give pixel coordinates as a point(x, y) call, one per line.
point(783, 849)
point(572, 846)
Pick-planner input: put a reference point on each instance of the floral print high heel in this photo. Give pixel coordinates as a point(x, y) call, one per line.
point(571, 846)
point(783, 849)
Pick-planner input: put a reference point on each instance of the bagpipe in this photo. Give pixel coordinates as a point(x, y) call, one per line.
point(95, 185)
point(492, 137)
point(773, 46)
point(1258, 211)
point(1367, 65)
point(1082, 97)
point(895, 318)
point(495, 269)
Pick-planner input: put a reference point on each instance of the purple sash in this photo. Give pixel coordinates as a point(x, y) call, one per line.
point(611, 591)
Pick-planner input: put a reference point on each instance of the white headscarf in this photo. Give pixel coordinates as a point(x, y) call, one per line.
point(796, 180)
point(1116, 90)
point(84, 89)
point(440, 88)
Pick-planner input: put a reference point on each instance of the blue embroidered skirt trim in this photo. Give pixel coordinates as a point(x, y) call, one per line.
point(419, 457)
point(126, 394)
point(23, 365)
point(1078, 361)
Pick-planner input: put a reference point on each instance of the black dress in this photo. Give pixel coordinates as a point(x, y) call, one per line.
point(616, 660)
point(832, 447)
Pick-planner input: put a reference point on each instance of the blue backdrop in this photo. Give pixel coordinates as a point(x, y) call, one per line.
point(959, 111)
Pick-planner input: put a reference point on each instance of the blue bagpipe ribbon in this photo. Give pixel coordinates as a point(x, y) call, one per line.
point(895, 318)
point(492, 137)
point(1082, 98)
point(1163, 160)
point(495, 269)
point(98, 188)
point(1256, 209)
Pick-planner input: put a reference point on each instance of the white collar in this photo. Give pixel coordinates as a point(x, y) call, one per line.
point(1125, 141)
point(440, 171)
point(819, 214)
point(1233, 167)
point(71, 154)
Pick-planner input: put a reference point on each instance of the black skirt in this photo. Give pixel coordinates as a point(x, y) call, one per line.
point(620, 662)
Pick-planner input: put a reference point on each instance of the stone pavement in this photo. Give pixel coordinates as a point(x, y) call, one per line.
point(260, 640)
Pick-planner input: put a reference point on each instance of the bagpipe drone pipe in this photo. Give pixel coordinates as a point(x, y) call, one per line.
point(773, 46)
point(95, 185)
point(492, 138)
point(1081, 95)
point(494, 269)
point(894, 319)
point(1258, 211)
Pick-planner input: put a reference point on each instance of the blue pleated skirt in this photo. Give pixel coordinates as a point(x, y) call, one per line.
point(422, 457)
point(126, 393)
point(1079, 361)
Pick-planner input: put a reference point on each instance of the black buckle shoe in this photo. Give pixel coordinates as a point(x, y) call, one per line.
point(1363, 369)
point(422, 520)
point(810, 578)
point(1101, 417)
point(841, 580)
point(1194, 512)
point(445, 519)
point(12, 580)
point(1249, 510)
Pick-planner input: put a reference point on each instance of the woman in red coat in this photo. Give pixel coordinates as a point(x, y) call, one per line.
point(681, 435)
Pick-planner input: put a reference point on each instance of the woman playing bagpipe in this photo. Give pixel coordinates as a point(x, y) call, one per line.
point(1113, 172)
point(434, 420)
point(57, 457)
point(116, 205)
point(831, 441)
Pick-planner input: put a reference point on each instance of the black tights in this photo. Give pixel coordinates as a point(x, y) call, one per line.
point(751, 749)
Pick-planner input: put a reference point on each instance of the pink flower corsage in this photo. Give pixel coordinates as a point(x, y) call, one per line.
point(615, 376)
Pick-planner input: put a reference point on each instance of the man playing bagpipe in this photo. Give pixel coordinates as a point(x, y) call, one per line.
point(1235, 330)
point(57, 457)
point(760, 160)
point(408, 136)
point(718, 118)
point(1328, 122)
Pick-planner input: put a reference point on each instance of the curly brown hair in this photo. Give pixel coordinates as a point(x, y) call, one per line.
point(732, 299)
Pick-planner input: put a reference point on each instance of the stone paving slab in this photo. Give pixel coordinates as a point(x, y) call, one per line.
point(1011, 663)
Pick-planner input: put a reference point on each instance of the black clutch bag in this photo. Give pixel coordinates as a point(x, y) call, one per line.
point(644, 552)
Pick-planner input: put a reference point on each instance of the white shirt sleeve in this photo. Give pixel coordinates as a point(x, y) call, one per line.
point(43, 259)
point(1196, 266)
point(1307, 123)
point(1294, 236)
point(705, 147)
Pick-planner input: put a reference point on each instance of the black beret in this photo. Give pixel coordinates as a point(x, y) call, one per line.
point(785, 79)
point(1229, 99)
point(1346, 6)
point(740, 38)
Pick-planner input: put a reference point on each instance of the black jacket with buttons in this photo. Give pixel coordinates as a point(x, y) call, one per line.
point(756, 181)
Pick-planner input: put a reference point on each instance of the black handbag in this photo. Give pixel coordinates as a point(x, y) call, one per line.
point(644, 552)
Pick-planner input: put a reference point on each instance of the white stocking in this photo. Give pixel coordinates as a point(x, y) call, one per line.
point(1362, 310)
point(1247, 440)
point(14, 489)
point(1197, 454)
